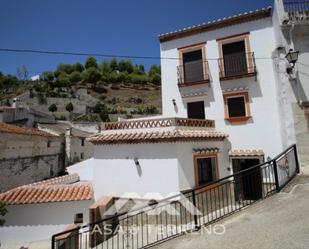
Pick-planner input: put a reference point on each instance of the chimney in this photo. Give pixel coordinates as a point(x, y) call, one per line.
point(14, 102)
point(68, 131)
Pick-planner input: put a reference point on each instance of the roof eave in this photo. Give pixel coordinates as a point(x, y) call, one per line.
point(155, 141)
point(251, 16)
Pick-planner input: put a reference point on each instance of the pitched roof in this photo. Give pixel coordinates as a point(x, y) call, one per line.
point(59, 189)
point(7, 128)
point(219, 23)
point(133, 137)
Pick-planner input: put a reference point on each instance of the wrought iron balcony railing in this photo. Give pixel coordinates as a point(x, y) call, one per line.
point(237, 65)
point(192, 73)
point(297, 9)
point(296, 5)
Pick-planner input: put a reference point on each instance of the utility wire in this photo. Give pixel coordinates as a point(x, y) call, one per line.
point(101, 55)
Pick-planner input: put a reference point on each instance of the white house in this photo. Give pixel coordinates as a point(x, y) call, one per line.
point(38, 210)
point(291, 28)
point(222, 113)
point(222, 90)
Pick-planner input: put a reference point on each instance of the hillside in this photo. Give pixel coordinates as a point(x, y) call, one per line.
point(89, 92)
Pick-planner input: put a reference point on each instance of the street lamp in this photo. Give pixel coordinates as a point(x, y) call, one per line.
point(292, 57)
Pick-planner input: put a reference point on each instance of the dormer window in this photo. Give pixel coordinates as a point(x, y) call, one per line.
point(192, 67)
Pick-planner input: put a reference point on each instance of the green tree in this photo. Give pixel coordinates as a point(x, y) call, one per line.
point(9, 81)
point(104, 117)
point(69, 107)
point(47, 76)
point(78, 67)
point(125, 66)
point(154, 69)
point(105, 67)
point(63, 80)
point(3, 212)
point(99, 107)
point(138, 79)
point(114, 64)
point(92, 75)
point(75, 77)
point(64, 68)
point(139, 69)
point(91, 62)
point(156, 79)
point(52, 108)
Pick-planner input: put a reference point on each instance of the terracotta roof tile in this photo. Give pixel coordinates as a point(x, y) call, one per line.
point(246, 152)
point(6, 128)
point(157, 136)
point(59, 189)
point(215, 24)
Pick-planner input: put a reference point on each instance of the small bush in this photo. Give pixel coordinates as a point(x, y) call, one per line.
point(75, 77)
point(69, 107)
point(102, 97)
point(104, 117)
point(3, 212)
point(52, 108)
point(145, 110)
point(99, 89)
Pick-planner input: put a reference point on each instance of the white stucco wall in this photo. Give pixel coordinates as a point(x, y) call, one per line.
point(293, 90)
point(115, 172)
point(265, 123)
point(186, 162)
point(84, 169)
point(32, 222)
point(164, 168)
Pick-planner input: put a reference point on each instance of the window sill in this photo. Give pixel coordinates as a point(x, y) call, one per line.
point(238, 120)
point(193, 83)
point(233, 77)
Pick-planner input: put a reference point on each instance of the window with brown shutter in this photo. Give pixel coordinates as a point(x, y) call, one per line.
point(237, 107)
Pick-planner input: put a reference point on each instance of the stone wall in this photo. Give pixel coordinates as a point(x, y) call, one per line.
point(20, 171)
point(301, 117)
point(26, 159)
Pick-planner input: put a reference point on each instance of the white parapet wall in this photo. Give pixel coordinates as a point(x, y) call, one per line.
point(35, 222)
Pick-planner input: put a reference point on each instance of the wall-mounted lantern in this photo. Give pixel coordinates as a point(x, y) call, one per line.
point(292, 57)
point(136, 161)
point(174, 102)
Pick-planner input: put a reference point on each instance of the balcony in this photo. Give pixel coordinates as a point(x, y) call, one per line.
point(297, 10)
point(158, 123)
point(237, 65)
point(193, 73)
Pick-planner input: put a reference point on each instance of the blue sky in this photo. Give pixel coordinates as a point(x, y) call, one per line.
point(128, 27)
